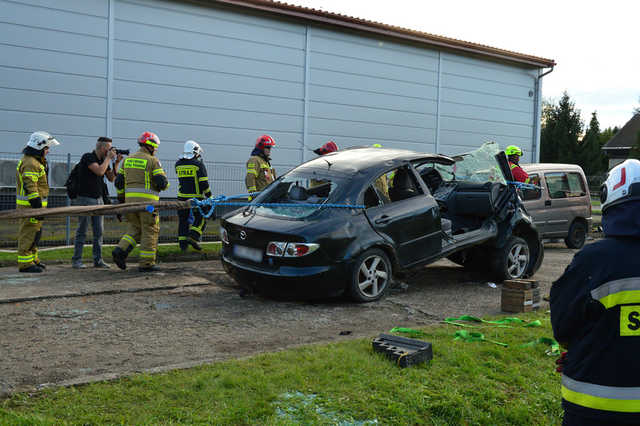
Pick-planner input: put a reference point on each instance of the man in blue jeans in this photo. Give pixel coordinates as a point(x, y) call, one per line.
point(93, 167)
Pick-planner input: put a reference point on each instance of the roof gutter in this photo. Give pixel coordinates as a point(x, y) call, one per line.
point(386, 30)
point(536, 114)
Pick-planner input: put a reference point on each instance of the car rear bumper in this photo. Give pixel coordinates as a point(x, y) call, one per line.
point(316, 281)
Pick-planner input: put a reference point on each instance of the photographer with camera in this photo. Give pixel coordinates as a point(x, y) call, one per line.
point(91, 191)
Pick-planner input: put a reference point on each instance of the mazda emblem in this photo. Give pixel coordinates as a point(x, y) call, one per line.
point(243, 235)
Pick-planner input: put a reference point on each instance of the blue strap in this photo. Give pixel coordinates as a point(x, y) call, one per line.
point(523, 185)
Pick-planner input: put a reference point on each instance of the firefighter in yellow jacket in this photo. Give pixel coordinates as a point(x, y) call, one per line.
point(32, 190)
point(140, 179)
point(259, 171)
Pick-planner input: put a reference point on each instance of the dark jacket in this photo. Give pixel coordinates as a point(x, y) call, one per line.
point(595, 313)
point(193, 181)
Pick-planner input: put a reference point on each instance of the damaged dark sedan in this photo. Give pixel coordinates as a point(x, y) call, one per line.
point(347, 222)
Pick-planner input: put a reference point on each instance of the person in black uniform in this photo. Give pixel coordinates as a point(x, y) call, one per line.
point(595, 313)
point(193, 182)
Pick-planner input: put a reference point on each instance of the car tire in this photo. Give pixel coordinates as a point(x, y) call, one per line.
point(577, 235)
point(512, 260)
point(370, 277)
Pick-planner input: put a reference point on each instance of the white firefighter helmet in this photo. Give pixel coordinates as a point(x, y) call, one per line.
point(40, 140)
point(622, 184)
point(191, 150)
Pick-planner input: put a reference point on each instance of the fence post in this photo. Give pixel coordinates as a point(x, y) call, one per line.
point(68, 230)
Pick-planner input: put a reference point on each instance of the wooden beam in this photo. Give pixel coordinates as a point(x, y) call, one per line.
point(104, 210)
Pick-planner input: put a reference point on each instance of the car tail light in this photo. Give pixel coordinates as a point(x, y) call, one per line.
point(224, 236)
point(282, 249)
point(275, 248)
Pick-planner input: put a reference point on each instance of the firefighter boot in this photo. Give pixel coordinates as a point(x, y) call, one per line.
point(195, 244)
point(32, 268)
point(120, 256)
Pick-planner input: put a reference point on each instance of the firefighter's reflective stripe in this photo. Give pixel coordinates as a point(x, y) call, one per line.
point(252, 189)
point(252, 171)
point(142, 193)
point(129, 239)
point(26, 259)
point(618, 292)
point(203, 179)
point(21, 200)
point(157, 171)
point(196, 229)
point(608, 398)
point(151, 253)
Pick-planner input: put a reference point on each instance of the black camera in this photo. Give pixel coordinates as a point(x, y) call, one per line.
point(122, 151)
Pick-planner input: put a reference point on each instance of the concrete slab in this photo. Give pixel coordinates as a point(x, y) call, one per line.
point(20, 287)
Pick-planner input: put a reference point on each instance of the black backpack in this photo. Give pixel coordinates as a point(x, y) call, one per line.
point(73, 182)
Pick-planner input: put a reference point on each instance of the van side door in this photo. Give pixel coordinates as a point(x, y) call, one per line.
point(567, 193)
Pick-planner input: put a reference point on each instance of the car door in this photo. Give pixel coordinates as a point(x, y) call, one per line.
point(408, 216)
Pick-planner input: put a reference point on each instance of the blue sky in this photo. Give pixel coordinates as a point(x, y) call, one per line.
point(591, 41)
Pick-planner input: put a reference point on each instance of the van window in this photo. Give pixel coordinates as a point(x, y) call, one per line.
point(576, 185)
point(532, 194)
point(564, 185)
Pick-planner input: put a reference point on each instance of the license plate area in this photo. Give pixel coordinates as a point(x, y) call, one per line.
point(249, 253)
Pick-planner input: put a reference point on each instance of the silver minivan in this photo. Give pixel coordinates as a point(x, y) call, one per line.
point(562, 207)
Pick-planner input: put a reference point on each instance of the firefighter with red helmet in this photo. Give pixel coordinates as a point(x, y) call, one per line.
point(327, 148)
point(513, 155)
point(140, 179)
point(32, 190)
point(595, 312)
point(259, 171)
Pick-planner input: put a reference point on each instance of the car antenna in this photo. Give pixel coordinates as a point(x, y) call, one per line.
point(330, 164)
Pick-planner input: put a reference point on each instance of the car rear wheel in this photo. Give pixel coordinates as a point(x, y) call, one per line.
point(370, 277)
point(577, 235)
point(512, 260)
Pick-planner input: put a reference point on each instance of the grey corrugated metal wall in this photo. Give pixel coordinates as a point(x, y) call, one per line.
point(85, 68)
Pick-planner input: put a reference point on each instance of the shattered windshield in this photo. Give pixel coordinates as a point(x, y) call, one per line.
point(477, 166)
point(297, 196)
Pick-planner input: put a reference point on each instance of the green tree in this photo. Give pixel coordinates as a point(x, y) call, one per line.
point(590, 158)
point(561, 128)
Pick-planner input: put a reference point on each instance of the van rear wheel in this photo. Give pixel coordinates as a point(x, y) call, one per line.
point(577, 235)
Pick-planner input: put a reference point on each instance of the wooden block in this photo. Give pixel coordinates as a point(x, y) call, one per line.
point(520, 284)
point(514, 300)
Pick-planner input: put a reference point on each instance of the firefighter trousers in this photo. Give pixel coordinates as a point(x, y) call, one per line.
point(28, 237)
point(188, 230)
point(142, 228)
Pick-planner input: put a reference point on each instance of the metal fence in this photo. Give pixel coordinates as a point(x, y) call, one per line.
point(57, 231)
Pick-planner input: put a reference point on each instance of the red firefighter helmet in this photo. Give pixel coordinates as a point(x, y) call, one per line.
point(148, 138)
point(265, 141)
point(328, 147)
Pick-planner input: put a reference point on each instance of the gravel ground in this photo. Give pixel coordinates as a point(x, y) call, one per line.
point(69, 326)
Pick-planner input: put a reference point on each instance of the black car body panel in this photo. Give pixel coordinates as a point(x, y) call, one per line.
point(435, 219)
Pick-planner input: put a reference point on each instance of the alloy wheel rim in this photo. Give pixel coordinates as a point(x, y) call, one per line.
point(517, 260)
point(373, 276)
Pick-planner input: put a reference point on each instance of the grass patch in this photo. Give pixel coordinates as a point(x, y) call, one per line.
point(166, 253)
point(341, 383)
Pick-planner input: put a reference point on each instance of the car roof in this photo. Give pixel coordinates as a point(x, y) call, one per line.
point(555, 167)
point(369, 160)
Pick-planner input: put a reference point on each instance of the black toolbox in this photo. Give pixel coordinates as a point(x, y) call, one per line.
point(402, 350)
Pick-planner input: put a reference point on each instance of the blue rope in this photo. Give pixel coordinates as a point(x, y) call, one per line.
point(523, 185)
point(221, 200)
